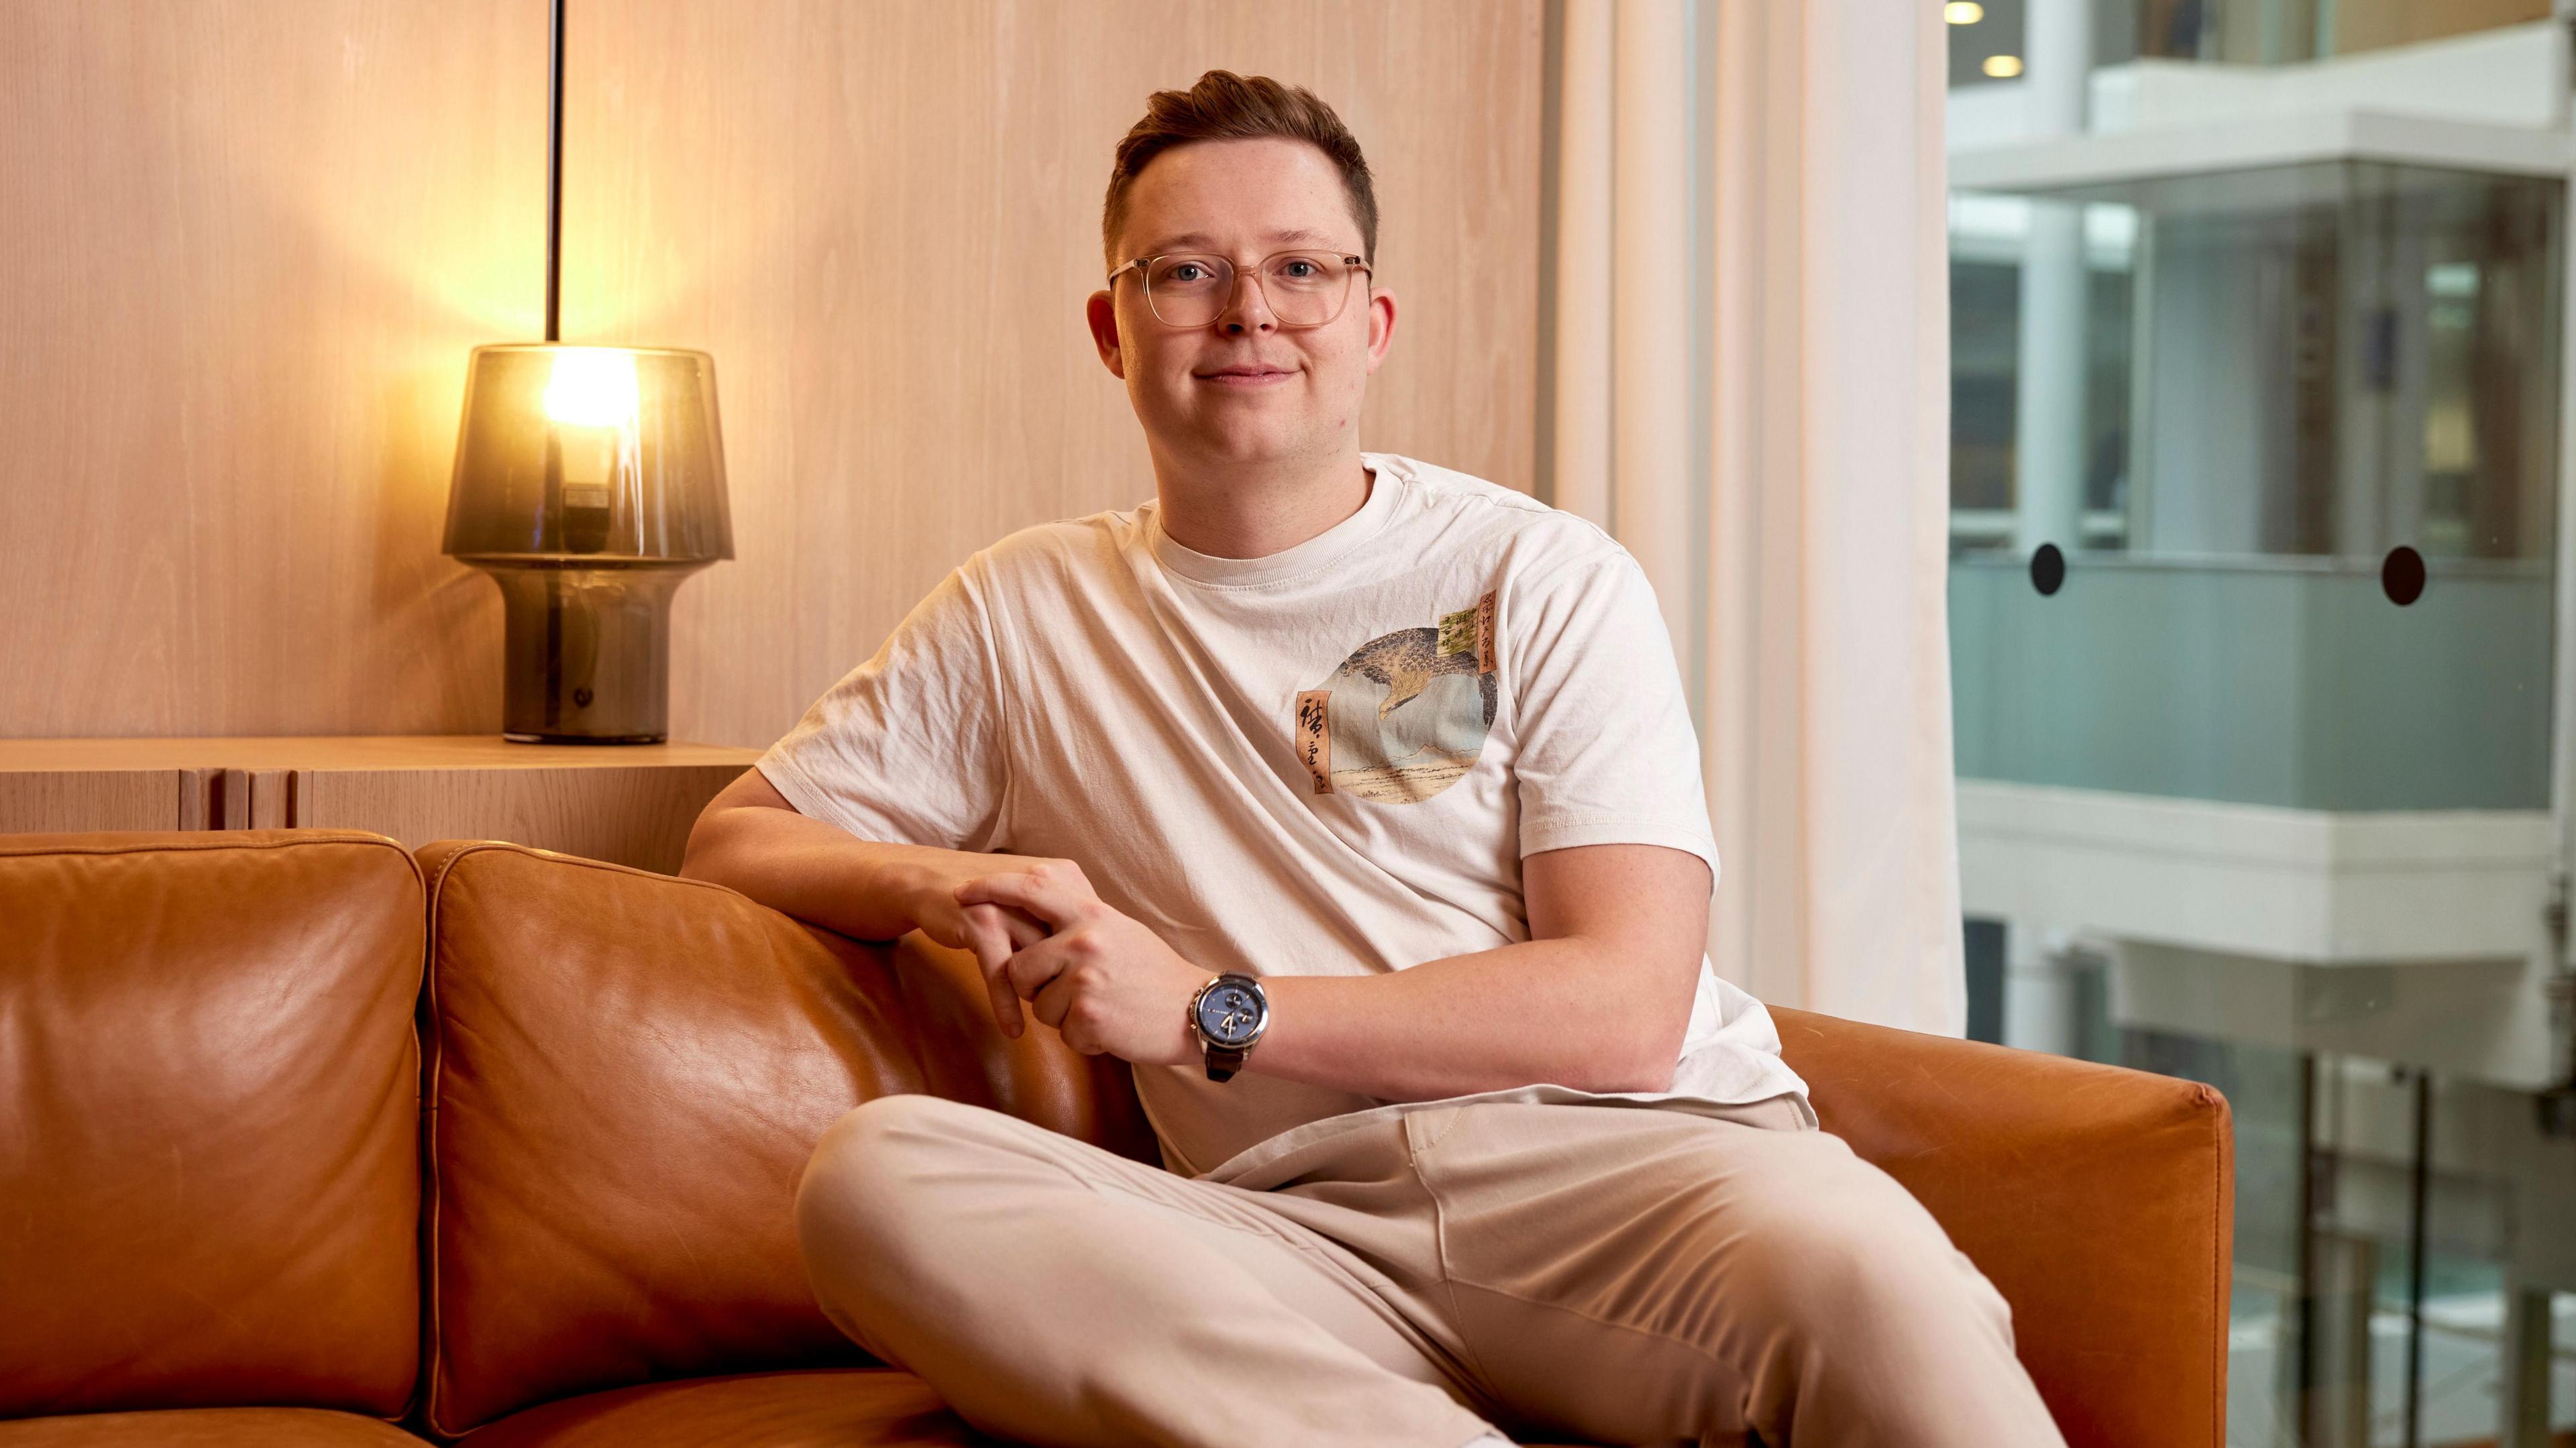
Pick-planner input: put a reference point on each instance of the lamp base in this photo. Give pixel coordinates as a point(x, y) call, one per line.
point(586, 650)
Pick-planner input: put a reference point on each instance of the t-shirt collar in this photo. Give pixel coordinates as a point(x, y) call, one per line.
point(1319, 551)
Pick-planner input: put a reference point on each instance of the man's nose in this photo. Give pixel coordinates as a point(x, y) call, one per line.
point(1248, 309)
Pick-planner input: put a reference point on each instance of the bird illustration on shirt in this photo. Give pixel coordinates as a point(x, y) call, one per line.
point(1406, 662)
point(1370, 756)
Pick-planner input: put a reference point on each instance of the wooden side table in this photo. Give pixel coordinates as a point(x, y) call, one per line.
point(632, 804)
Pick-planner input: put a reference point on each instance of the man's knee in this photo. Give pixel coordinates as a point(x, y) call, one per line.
point(870, 1207)
point(1855, 1252)
point(863, 1188)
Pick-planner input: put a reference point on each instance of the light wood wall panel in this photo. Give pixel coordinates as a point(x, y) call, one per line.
point(248, 243)
point(252, 242)
point(883, 220)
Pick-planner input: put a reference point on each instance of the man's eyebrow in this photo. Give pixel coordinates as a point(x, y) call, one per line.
point(1200, 238)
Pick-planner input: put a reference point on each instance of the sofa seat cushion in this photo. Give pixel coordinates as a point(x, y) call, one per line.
point(207, 1428)
point(825, 1408)
point(845, 1408)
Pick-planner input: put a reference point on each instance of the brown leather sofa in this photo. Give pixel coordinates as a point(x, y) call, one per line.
point(305, 1141)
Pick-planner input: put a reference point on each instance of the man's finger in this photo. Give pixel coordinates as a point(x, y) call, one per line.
point(1029, 970)
point(992, 946)
point(1006, 1006)
point(1025, 929)
point(1053, 1000)
point(1057, 904)
point(1012, 924)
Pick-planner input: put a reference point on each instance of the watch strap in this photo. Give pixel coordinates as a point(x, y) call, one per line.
point(1222, 1061)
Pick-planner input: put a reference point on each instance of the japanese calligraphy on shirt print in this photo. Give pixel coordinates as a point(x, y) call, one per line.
point(1406, 714)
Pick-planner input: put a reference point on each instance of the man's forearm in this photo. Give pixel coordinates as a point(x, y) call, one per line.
point(1572, 1011)
point(812, 870)
point(1599, 998)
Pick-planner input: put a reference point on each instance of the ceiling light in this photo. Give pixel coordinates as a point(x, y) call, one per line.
point(2003, 67)
point(1963, 12)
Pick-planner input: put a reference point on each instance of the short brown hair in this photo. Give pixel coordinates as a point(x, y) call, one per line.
point(1224, 106)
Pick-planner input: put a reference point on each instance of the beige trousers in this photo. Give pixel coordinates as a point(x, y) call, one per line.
point(1615, 1274)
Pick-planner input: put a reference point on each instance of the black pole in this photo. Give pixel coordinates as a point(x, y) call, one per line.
point(554, 181)
point(2422, 1192)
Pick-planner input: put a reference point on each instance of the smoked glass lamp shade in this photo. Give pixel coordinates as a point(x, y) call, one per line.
point(589, 483)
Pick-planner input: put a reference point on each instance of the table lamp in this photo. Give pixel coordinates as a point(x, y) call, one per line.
point(589, 483)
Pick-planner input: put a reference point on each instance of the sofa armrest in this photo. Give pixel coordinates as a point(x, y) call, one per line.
point(2100, 1201)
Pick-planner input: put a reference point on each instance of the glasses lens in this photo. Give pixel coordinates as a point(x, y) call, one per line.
point(1305, 289)
point(1188, 291)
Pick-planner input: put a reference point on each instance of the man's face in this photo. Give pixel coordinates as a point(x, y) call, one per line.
point(1242, 200)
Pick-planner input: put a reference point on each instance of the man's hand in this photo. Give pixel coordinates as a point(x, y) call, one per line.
point(992, 932)
point(1106, 982)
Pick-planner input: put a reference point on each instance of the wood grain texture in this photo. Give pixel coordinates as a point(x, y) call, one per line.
point(367, 751)
point(632, 805)
point(251, 243)
point(261, 799)
point(68, 801)
point(248, 246)
point(636, 815)
point(201, 799)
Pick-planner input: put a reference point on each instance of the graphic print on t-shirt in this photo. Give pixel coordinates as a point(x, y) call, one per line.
point(1406, 714)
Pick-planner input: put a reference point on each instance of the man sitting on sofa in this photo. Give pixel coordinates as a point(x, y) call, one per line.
point(1354, 802)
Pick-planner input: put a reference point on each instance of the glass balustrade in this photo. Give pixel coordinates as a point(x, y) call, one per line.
point(2254, 602)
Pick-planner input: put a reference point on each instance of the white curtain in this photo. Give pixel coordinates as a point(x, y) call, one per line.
point(1750, 389)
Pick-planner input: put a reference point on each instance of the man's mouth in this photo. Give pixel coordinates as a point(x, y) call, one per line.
point(1250, 375)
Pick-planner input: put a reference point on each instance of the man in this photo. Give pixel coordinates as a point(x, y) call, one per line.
point(1354, 801)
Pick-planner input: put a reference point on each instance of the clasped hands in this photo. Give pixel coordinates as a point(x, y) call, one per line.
point(1106, 983)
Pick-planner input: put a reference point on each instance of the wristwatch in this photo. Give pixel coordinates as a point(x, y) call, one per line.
point(1229, 1014)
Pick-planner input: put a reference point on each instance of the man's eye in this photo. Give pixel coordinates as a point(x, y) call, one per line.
point(1309, 268)
point(1188, 271)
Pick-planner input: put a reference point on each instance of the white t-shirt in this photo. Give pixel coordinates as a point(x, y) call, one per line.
point(1325, 761)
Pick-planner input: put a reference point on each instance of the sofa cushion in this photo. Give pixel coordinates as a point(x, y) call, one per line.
point(207, 1428)
point(850, 1408)
point(855, 1408)
point(628, 1072)
point(208, 1121)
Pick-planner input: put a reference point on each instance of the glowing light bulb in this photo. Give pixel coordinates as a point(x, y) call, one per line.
point(2003, 67)
point(1963, 12)
point(594, 387)
point(591, 398)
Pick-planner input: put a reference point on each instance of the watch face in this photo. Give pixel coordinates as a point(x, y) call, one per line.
point(1229, 1014)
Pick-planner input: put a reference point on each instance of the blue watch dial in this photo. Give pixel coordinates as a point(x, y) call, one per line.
point(1229, 1014)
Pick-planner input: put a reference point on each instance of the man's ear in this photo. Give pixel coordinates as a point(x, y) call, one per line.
point(1102, 313)
point(1381, 325)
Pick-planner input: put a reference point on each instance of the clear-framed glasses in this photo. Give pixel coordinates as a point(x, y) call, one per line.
point(1192, 289)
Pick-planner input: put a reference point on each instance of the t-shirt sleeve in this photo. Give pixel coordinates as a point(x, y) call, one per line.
point(908, 747)
point(1607, 751)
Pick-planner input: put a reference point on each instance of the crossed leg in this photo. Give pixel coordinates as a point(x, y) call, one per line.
point(1057, 1293)
point(1619, 1274)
